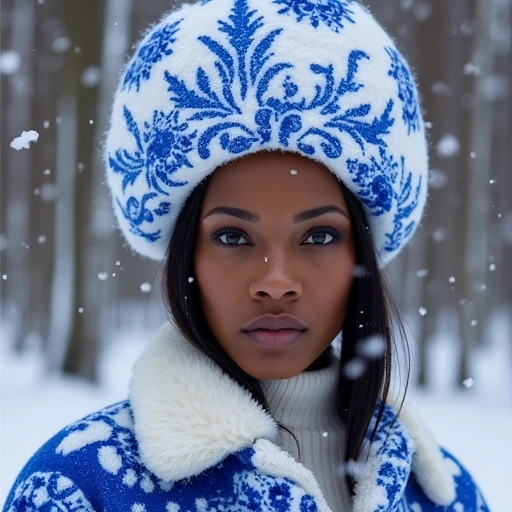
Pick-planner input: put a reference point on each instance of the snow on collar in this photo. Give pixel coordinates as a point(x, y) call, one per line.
point(183, 406)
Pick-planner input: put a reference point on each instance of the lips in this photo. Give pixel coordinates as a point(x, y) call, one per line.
point(274, 323)
point(280, 338)
point(275, 331)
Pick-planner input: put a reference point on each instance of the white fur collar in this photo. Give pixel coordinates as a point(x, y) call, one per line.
point(183, 407)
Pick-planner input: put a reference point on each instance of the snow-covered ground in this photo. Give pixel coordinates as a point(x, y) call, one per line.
point(474, 423)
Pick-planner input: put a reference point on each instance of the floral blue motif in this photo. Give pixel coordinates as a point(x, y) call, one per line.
point(153, 51)
point(243, 67)
point(332, 13)
point(406, 90)
point(377, 182)
point(407, 202)
point(390, 446)
point(160, 151)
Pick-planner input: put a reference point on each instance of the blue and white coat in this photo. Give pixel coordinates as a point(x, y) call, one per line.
point(190, 439)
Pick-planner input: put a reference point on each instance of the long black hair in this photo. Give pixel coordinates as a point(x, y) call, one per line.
point(370, 312)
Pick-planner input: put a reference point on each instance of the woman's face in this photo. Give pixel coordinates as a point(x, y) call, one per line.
point(271, 262)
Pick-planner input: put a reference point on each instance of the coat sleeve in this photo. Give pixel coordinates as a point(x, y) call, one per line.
point(468, 496)
point(38, 490)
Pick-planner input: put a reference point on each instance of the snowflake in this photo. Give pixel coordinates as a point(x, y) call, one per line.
point(331, 12)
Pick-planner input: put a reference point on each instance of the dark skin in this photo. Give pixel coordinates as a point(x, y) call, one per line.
point(275, 265)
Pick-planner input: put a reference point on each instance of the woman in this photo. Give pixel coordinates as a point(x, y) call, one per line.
point(273, 153)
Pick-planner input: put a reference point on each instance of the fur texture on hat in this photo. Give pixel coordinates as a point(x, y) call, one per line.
point(217, 80)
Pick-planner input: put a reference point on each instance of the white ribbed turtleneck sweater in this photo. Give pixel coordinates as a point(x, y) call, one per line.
point(306, 405)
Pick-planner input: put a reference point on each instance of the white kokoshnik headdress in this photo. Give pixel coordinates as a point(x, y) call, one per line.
point(219, 79)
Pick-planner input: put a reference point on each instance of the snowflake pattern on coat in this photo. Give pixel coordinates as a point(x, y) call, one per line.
point(244, 68)
point(332, 13)
point(50, 491)
point(94, 465)
point(117, 453)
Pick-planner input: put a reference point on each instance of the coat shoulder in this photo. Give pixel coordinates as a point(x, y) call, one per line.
point(65, 469)
point(468, 496)
point(94, 464)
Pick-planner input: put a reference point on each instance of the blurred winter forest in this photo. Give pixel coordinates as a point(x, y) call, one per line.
point(67, 282)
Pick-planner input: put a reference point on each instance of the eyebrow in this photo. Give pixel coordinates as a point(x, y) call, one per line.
point(299, 217)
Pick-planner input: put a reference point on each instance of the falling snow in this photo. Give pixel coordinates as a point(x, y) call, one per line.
point(359, 271)
point(372, 347)
point(61, 45)
point(25, 140)
point(468, 383)
point(423, 311)
point(448, 146)
point(355, 368)
point(49, 192)
point(352, 468)
point(441, 89)
point(102, 276)
point(145, 287)
point(471, 69)
point(437, 178)
point(91, 76)
point(9, 62)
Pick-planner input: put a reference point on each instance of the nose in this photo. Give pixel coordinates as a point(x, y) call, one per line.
point(276, 280)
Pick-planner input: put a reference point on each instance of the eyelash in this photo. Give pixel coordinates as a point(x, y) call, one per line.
point(336, 235)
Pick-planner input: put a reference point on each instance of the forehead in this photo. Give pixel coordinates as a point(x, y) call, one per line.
point(273, 180)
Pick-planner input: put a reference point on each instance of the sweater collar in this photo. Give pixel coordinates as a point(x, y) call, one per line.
point(307, 400)
point(183, 407)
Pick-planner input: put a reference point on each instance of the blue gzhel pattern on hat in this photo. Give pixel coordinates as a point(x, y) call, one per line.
point(378, 190)
point(406, 90)
point(162, 149)
point(153, 51)
point(246, 94)
point(331, 12)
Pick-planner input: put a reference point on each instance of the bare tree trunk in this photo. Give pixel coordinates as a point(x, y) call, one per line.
point(104, 248)
point(62, 298)
point(44, 106)
point(73, 340)
point(82, 349)
point(17, 215)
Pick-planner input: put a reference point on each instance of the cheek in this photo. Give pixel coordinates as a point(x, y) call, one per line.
point(218, 289)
